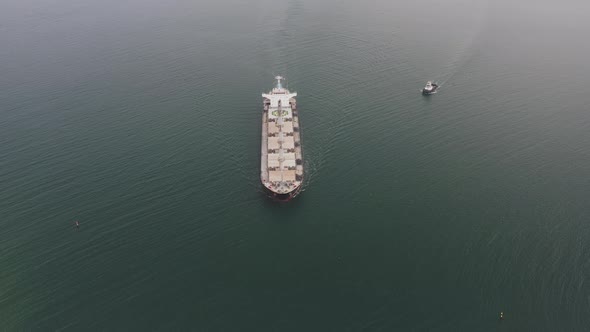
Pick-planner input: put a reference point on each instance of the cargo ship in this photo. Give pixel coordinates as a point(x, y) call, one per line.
point(281, 162)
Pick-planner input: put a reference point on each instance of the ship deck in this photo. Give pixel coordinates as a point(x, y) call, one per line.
point(281, 154)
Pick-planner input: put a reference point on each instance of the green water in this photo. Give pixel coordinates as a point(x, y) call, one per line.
point(141, 119)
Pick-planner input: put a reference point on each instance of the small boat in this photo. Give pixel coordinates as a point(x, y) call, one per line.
point(430, 88)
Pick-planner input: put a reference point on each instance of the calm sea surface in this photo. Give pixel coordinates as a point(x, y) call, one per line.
point(141, 119)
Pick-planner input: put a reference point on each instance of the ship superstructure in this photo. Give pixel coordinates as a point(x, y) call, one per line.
point(281, 165)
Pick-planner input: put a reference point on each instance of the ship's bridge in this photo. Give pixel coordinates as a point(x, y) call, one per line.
point(279, 96)
point(284, 97)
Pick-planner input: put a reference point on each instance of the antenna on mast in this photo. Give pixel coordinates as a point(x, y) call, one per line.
point(279, 78)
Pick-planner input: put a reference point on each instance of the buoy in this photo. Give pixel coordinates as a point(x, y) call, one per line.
point(501, 315)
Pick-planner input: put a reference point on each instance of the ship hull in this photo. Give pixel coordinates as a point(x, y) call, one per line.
point(281, 159)
point(285, 197)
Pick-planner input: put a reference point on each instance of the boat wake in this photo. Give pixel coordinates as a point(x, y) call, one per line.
point(466, 54)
